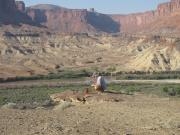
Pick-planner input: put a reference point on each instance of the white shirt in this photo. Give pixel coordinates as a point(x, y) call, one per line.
point(101, 82)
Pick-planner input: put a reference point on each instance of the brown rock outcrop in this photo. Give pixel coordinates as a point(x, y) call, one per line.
point(20, 5)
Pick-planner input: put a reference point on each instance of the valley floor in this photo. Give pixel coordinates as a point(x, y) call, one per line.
point(136, 114)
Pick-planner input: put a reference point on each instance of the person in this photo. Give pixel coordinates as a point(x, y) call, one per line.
point(99, 82)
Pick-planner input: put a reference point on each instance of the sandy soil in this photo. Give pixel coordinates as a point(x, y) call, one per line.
point(136, 115)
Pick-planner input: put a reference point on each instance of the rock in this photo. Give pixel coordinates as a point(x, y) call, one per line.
point(83, 97)
point(22, 107)
point(48, 103)
point(134, 22)
point(63, 106)
point(82, 20)
point(20, 5)
point(71, 20)
point(165, 9)
point(40, 108)
point(63, 20)
point(10, 106)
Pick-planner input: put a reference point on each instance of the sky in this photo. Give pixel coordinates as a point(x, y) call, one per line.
point(104, 6)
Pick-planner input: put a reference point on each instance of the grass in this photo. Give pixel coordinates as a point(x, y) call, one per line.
point(148, 76)
point(156, 89)
point(32, 94)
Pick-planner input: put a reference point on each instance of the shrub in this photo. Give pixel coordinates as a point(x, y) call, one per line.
point(178, 91)
point(165, 89)
point(172, 92)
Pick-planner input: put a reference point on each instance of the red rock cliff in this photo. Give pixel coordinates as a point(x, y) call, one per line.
point(64, 20)
point(61, 20)
point(134, 22)
point(71, 20)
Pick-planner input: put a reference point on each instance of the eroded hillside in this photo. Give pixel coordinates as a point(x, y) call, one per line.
point(27, 53)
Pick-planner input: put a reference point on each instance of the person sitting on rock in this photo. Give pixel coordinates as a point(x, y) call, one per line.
point(99, 82)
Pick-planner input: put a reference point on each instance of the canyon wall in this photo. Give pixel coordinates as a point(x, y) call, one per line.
point(63, 20)
point(137, 21)
point(72, 20)
point(82, 20)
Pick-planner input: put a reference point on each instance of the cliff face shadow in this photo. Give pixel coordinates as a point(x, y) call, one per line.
point(22, 18)
point(103, 22)
point(39, 15)
point(18, 18)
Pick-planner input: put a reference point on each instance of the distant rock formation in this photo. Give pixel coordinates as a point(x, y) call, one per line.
point(71, 20)
point(134, 22)
point(63, 20)
point(82, 20)
point(167, 8)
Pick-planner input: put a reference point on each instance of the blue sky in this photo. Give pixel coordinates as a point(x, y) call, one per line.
point(104, 6)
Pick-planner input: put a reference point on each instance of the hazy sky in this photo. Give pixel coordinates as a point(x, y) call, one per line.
point(104, 6)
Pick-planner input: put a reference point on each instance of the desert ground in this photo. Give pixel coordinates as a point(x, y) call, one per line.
point(132, 114)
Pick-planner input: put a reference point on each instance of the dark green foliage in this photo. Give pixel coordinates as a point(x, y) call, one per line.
point(80, 74)
point(172, 90)
point(67, 74)
point(165, 89)
point(148, 76)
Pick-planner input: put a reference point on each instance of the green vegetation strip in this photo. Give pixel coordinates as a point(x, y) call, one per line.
point(41, 94)
point(81, 74)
